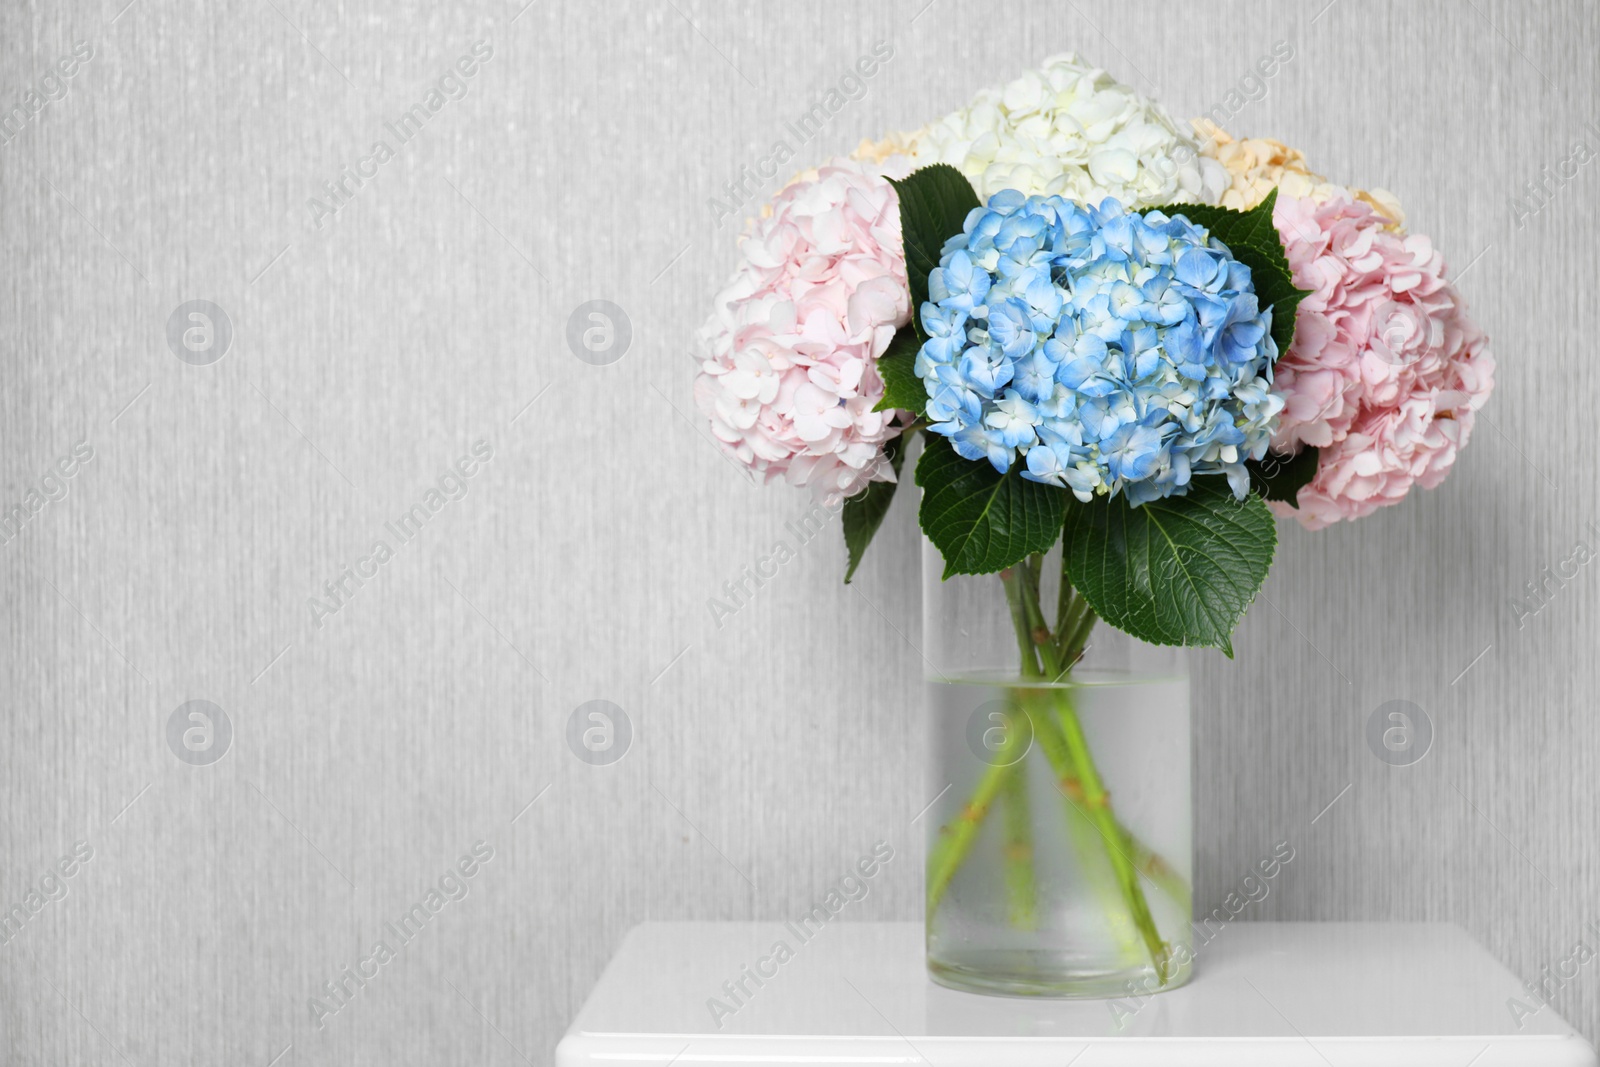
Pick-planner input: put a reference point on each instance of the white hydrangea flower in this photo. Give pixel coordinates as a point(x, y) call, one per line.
point(1070, 129)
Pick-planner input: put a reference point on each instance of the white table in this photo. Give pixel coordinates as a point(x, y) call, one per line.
point(856, 995)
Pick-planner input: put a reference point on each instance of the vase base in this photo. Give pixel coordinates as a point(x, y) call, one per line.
point(1003, 973)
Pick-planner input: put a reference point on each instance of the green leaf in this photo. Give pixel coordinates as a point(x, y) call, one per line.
point(1176, 571)
point(1280, 477)
point(864, 512)
point(902, 389)
point(1250, 229)
point(1253, 240)
point(934, 203)
point(983, 521)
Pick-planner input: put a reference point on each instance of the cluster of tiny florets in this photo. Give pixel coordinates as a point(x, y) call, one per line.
point(1108, 351)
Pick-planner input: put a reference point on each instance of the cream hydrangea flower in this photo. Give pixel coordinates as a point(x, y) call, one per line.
point(1067, 129)
point(1257, 165)
point(882, 152)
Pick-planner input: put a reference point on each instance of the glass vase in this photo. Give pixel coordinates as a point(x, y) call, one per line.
point(1059, 845)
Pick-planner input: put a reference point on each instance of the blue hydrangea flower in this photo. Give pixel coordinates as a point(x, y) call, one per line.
point(1109, 352)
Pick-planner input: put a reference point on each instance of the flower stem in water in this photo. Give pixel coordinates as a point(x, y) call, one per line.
point(1021, 894)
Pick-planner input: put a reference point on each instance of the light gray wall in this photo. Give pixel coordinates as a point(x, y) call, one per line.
point(370, 753)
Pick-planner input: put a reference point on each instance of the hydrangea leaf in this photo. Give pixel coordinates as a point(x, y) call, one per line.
point(1176, 571)
point(1254, 241)
point(983, 521)
point(902, 389)
point(1279, 477)
point(934, 203)
point(864, 512)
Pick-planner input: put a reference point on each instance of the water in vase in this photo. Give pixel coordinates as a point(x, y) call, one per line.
point(1059, 856)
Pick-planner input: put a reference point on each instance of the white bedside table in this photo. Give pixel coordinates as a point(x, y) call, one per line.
point(856, 995)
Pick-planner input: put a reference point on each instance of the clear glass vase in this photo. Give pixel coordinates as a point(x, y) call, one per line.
point(1059, 846)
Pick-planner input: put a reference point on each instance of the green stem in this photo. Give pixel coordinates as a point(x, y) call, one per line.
point(1129, 857)
point(1020, 889)
point(1151, 863)
point(1069, 611)
point(1066, 600)
point(1071, 650)
point(1097, 804)
point(1074, 623)
point(1038, 631)
point(1035, 617)
point(1017, 601)
point(1017, 851)
point(1092, 864)
point(1155, 867)
point(1018, 847)
point(1096, 801)
point(1032, 571)
point(956, 837)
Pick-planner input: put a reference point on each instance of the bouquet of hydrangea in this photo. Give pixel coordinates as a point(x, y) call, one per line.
point(1109, 330)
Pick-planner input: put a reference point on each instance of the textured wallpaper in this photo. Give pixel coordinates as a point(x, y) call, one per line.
point(351, 478)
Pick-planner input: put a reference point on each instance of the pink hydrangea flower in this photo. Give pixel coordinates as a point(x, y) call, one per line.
point(788, 375)
point(1386, 370)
